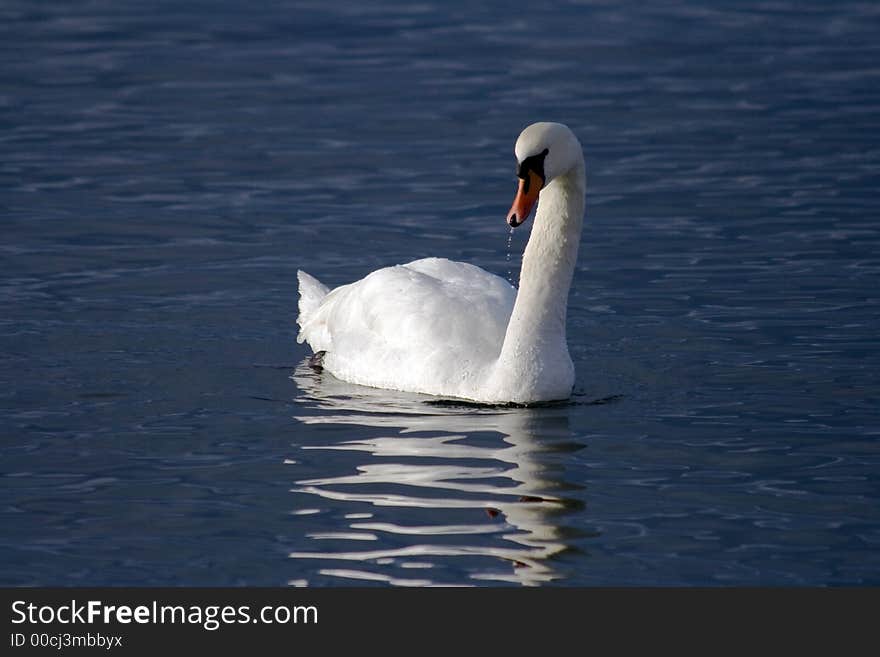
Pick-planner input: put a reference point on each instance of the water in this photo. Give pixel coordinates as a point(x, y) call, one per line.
point(166, 169)
point(510, 278)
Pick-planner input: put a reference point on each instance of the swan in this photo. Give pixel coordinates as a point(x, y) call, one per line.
point(452, 329)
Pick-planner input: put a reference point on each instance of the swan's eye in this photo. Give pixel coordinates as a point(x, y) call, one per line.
point(535, 164)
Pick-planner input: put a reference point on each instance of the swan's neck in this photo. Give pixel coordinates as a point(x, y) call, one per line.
point(535, 338)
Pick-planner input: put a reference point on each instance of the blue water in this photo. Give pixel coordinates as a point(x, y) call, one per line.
point(166, 167)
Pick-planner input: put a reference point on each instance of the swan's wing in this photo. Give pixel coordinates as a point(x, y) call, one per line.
point(461, 308)
point(414, 325)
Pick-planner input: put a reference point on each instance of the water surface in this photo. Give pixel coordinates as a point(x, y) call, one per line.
point(166, 169)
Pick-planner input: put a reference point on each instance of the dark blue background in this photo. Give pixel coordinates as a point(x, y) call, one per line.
point(166, 167)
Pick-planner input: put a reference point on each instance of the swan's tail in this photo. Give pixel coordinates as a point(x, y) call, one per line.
point(311, 293)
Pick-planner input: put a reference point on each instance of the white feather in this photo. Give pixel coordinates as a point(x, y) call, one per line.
point(452, 329)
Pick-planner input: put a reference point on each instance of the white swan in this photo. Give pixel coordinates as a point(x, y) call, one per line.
point(452, 329)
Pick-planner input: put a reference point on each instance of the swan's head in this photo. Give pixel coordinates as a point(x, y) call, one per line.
point(543, 152)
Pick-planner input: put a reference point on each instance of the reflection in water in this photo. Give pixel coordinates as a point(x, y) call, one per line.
point(482, 494)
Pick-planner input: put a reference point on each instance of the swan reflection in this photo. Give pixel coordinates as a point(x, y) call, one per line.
point(438, 482)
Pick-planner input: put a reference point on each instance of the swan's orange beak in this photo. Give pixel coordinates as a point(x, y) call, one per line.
point(526, 195)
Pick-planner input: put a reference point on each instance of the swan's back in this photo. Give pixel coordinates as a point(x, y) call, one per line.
point(429, 326)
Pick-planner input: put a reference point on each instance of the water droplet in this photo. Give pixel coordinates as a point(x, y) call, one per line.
point(509, 268)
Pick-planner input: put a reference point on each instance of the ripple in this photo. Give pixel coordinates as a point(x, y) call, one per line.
point(503, 481)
